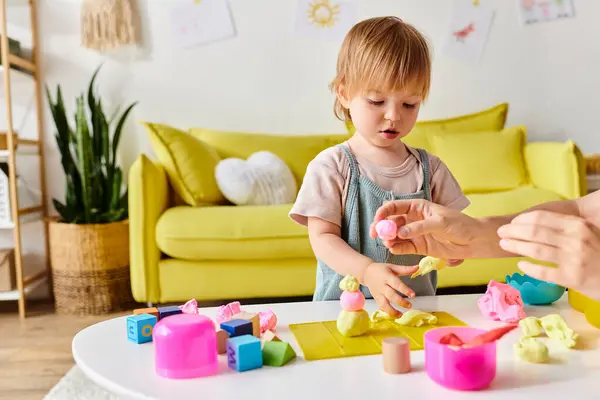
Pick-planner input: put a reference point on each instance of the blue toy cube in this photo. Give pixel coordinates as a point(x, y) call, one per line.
point(237, 327)
point(139, 327)
point(164, 312)
point(244, 353)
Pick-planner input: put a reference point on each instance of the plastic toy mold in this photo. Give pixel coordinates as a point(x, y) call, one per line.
point(533, 291)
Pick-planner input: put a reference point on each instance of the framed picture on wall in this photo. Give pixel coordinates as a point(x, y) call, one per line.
point(534, 11)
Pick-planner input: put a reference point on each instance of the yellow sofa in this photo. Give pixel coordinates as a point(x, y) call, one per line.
point(187, 242)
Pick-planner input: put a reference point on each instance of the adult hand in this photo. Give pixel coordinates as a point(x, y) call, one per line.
point(570, 242)
point(430, 229)
point(382, 281)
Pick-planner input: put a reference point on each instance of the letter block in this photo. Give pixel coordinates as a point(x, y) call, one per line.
point(139, 328)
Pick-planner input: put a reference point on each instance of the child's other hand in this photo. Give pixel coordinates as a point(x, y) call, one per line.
point(383, 283)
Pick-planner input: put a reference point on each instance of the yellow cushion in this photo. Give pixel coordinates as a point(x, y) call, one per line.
point(295, 150)
point(508, 202)
point(484, 161)
point(190, 164)
point(181, 280)
point(491, 119)
point(232, 232)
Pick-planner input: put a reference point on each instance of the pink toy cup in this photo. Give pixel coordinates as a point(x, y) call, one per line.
point(459, 368)
point(185, 346)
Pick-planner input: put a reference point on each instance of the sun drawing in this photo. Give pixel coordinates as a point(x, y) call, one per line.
point(323, 13)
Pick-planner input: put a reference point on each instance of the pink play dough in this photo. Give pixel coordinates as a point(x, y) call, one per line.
point(268, 321)
point(502, 302)
point(225, 312)
point(386, 229)
point(352, 301)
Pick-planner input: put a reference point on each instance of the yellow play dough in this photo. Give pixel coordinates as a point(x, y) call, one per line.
point(416, 318)
point(353, 323)
point(532, 350)
point(349, 284)
point(531, 327)
point(428, 264)
point(556, 328)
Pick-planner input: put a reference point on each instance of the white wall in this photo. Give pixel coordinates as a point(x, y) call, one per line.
point(266, 79)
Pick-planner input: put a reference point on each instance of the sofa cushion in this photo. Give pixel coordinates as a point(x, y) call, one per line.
point(295, 150)
point(190, 164)
point(484, 161)
point(232, 233)
point(490, 119)
point(508, 202)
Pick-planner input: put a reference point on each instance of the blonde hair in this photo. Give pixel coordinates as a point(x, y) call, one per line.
point(382, 54)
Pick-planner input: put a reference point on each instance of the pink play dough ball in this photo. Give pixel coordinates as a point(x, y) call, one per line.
point(386, 229)
point(352, 301)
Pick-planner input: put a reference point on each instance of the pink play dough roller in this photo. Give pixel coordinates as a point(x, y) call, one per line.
point(185, 346)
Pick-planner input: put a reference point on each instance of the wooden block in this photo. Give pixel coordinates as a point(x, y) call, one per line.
point(222, 337)
point(244, 353)
point(164, 312)
point(269, 336)
point(151, 311)
point(253, 317)
point(140, 327)
point(237, 327)
point(277, 353)
point(396, 355)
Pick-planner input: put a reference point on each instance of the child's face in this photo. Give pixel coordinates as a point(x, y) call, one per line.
point(384, 118)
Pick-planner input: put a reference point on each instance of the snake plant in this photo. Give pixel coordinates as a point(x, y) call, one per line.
point(94, 191)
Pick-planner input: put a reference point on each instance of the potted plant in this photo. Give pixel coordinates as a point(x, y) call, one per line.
point(89, 240)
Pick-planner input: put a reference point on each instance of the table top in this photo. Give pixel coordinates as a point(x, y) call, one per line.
point(105, 355)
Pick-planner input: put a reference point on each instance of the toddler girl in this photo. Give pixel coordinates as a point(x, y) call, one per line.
point(383, 76)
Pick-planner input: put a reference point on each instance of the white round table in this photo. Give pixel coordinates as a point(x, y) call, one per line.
point(104, 354)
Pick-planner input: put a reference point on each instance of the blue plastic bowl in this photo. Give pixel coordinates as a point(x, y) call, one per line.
point(533, 291)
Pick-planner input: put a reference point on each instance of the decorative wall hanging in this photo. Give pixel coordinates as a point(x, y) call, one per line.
point(533, 11)
point(325, 19)
point(107, 24)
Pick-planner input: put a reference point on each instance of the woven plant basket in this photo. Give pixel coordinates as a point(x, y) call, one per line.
point(90, 267)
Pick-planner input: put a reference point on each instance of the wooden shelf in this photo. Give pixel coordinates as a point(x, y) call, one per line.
point(30, 283)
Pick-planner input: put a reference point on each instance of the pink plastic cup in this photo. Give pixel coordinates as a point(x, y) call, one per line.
point(185, 346)
point(463, 368)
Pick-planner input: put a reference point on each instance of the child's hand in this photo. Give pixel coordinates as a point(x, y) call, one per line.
point(454, 262)
point(382, 281)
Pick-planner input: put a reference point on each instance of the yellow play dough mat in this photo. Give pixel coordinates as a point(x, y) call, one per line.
point(321, 340)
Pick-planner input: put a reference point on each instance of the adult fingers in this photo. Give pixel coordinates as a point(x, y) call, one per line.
point(549, 274)
point(403, 247)
point(532, 233)
point(546, 218)
point(538, 251)
point(398, 207)
point(419, 228)
point(454, 262)
point(395, 298)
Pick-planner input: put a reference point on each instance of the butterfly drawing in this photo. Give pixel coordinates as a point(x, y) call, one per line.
point(462, 34)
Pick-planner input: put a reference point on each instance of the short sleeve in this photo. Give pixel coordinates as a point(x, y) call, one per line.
point(445, 189)
point(321, 193)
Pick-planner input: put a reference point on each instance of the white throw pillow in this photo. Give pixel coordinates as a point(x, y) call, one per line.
point(262, 179)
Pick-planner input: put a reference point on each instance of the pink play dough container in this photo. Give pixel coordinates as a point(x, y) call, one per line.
point(463, 369)
point(185, 346)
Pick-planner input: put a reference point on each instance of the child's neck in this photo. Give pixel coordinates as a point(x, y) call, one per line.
point(383, 156)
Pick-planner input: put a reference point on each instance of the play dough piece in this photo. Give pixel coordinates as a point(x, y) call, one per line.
point(531, 327)
point(490, 336)
point(451, 340)
point(416, 318)
point(268, 320)
point(352, 301)
point(428, 264)
point(532, 350)
point(380, 315)
point(349, 284)
point(556, 328)
point(501, 302)
point(353, 323)
point(386, 229)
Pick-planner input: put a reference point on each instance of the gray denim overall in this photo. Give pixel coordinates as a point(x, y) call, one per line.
point(363, 199)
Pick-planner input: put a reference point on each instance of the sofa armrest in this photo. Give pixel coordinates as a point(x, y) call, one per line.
point(148, 199)
point(558, 167)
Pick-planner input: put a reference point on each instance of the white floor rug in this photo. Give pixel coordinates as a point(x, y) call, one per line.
point(75, 385)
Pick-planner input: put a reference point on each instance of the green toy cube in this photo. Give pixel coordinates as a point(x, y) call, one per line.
point(277, 354)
